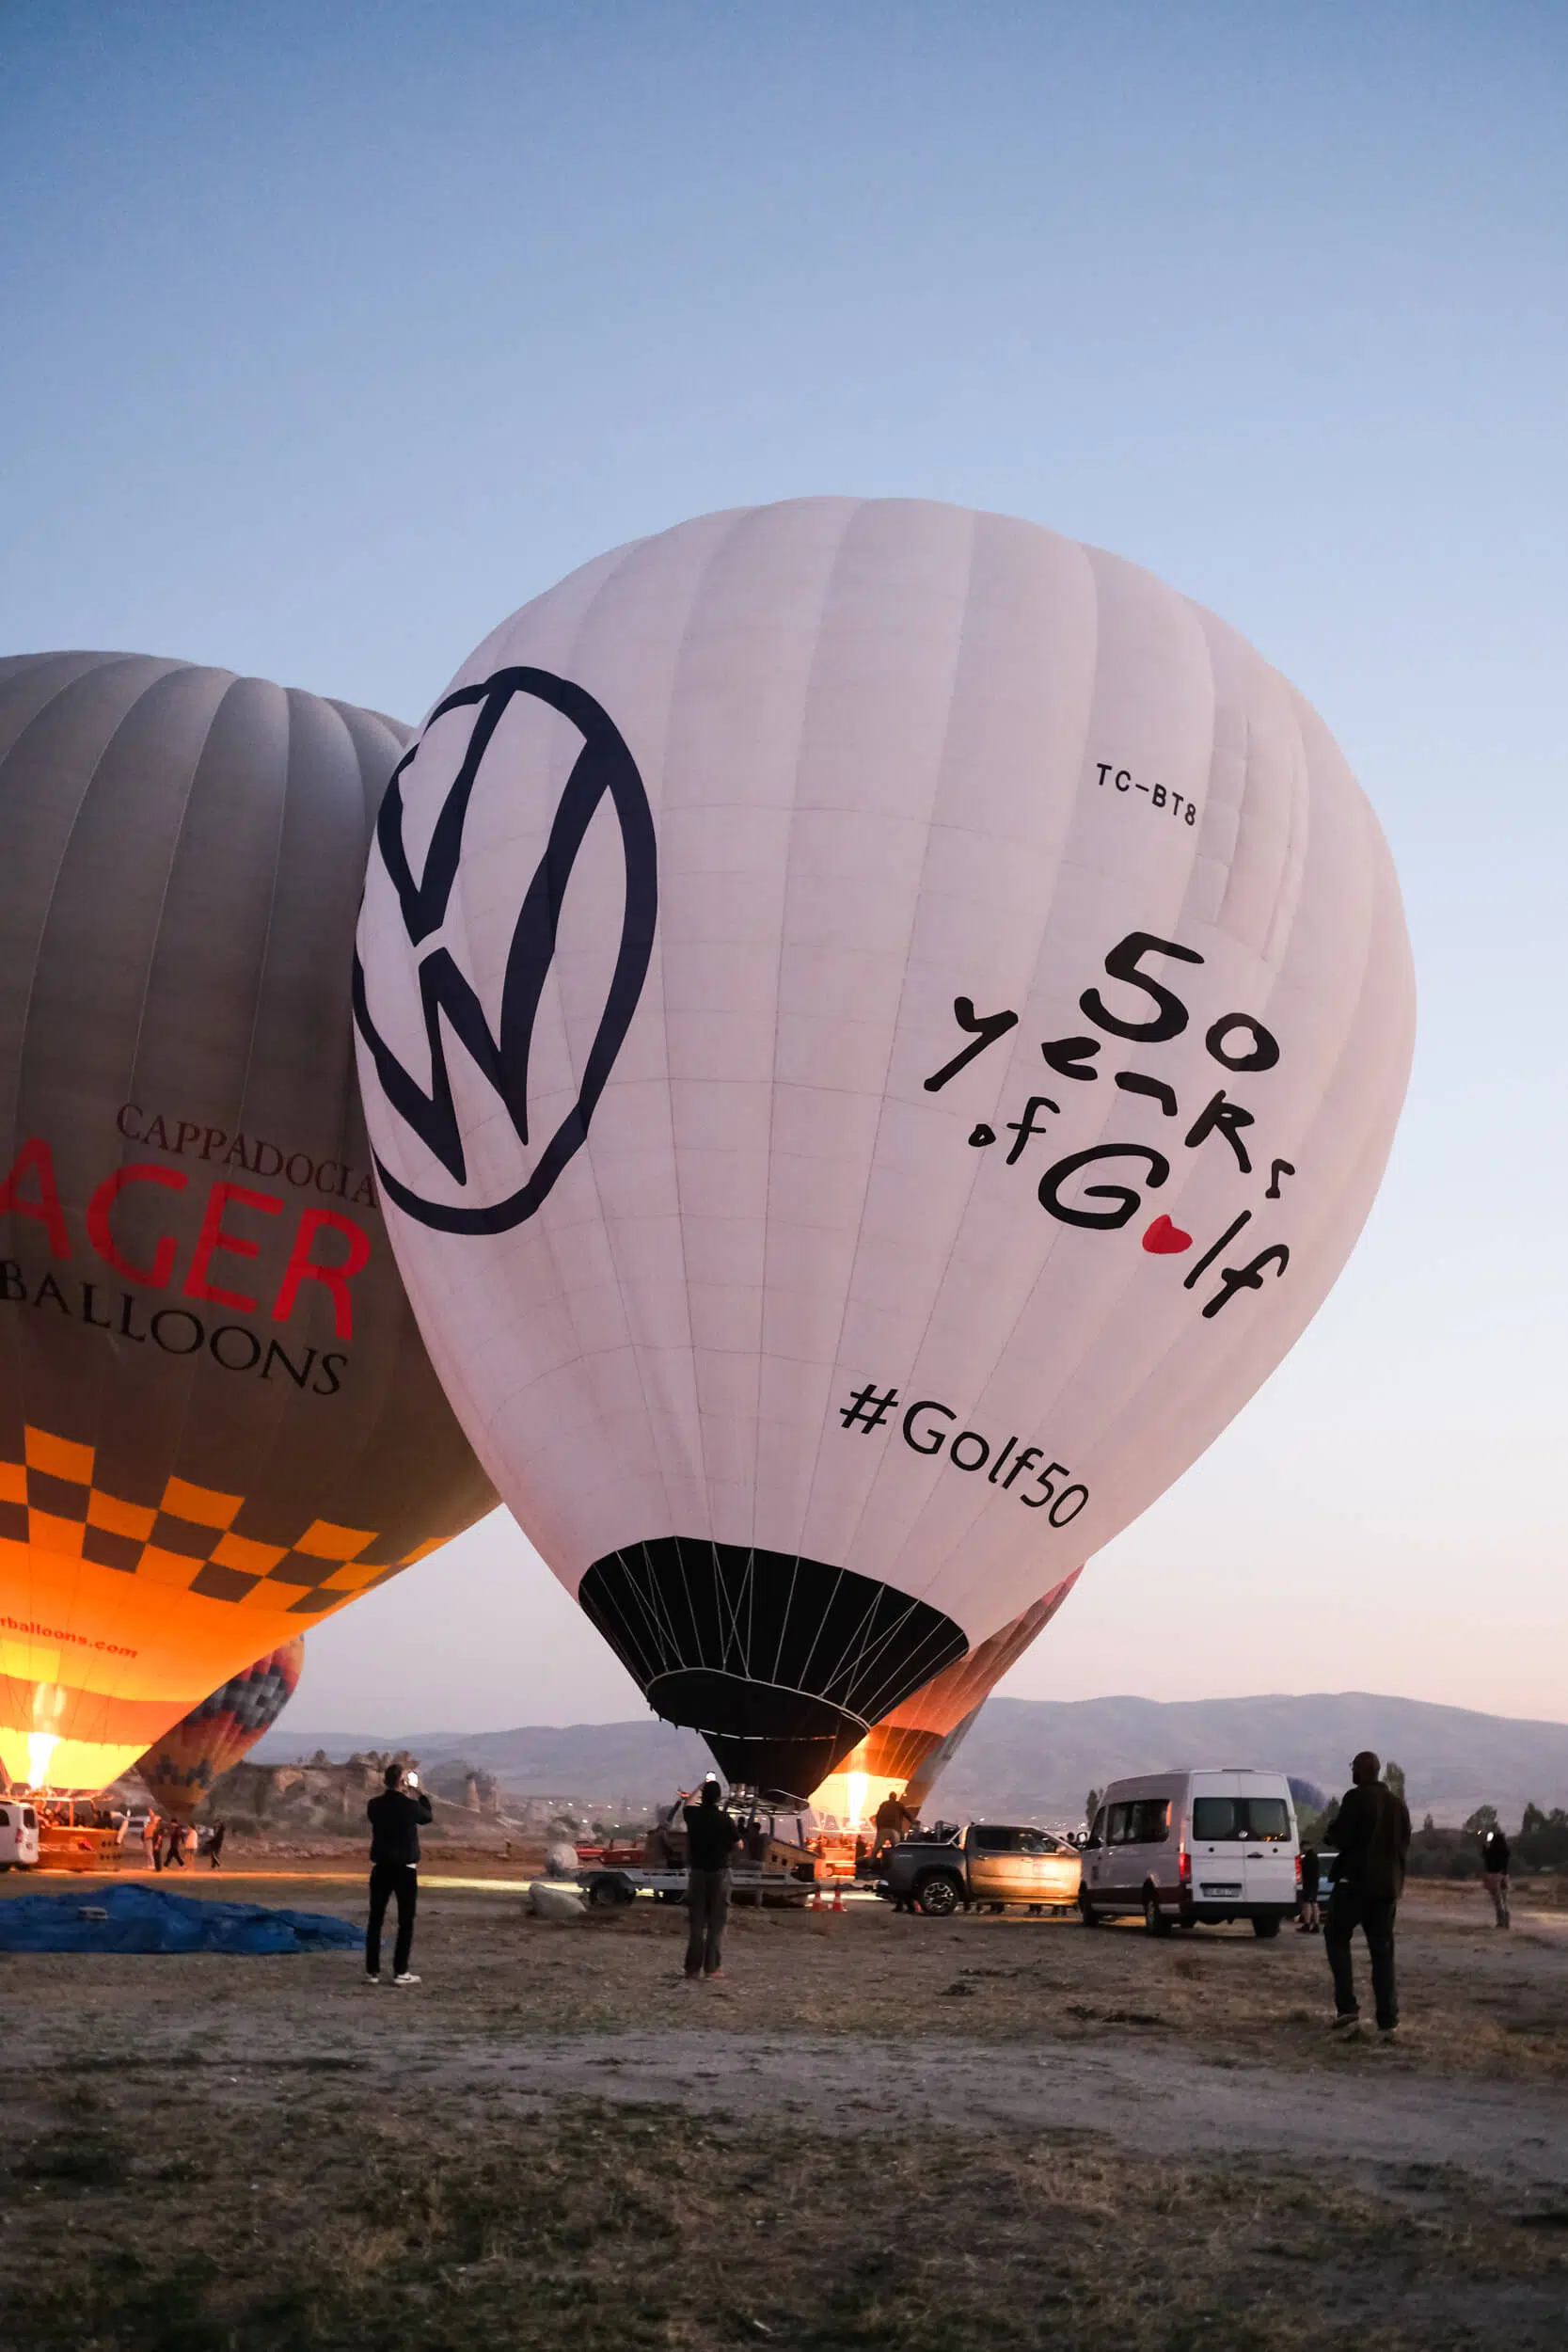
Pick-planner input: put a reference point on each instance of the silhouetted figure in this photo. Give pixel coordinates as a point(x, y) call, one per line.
point(711, 1837)
point(1310, 1922)
point(1495, 1860)
point(1372, 1836)
point(395, 1818)
point(893, 1820)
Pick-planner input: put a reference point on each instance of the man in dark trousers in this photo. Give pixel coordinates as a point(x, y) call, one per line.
point(394, 1817)
point(1494, 1870)
point(1372, 1836)
point(711, 1837)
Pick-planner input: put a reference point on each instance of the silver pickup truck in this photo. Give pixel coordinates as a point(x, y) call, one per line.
point(988, 1865)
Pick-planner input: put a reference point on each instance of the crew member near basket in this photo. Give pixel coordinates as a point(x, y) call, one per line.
point(711, 1837)
point(395, 1818)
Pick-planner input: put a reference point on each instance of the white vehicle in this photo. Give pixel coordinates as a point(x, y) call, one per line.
point(1191, 1848)
point(19, 1834)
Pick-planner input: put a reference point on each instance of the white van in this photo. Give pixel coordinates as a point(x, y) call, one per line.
point(19, 1834)
point(1185, 1848)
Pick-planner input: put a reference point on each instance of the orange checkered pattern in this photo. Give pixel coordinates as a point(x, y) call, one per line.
point(49, 1499)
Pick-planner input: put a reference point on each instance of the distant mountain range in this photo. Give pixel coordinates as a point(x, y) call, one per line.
point(1038, 1758)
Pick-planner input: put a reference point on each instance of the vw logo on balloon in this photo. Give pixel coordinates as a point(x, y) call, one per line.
point(603, 769)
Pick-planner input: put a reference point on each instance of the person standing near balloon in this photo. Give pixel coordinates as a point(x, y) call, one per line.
point(711, 1837)
point(395, 1818)
point(1372, 1837)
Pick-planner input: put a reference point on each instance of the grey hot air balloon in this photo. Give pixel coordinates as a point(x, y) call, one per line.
point(217, 1421)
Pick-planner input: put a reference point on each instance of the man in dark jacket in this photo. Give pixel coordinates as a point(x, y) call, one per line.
point(1372, 1836)
point(893, 1822)
point(395, 1818)
point(1494, 1870)
point(711, 1837)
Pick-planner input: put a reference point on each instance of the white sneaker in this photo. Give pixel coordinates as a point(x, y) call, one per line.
point(369, 1980)
point(405, 1978)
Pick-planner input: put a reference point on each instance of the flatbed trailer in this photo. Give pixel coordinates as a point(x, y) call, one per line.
point(610, 1889)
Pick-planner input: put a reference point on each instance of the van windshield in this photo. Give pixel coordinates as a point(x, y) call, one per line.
point(1221, 1819)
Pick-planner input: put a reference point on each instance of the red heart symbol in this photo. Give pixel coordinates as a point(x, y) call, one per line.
point(1165, 1240)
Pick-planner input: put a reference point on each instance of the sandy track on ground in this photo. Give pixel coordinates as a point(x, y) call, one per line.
point(1152, 2101)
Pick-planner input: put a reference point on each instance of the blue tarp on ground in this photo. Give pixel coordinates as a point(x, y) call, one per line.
point(145, 1919)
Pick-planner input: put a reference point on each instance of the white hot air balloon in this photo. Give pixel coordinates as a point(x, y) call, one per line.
point(880, 1026)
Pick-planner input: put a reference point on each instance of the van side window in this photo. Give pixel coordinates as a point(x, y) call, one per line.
point(1120, 1830)
point(5, 1817)
point(1151, 1821)
point(1097, 1831)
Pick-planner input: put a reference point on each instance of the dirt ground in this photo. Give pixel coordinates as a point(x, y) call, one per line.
point(874, 2131)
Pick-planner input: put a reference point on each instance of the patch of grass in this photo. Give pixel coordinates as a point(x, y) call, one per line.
point(644, 2228)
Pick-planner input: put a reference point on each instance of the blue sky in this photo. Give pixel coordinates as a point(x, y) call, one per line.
point(333, 335)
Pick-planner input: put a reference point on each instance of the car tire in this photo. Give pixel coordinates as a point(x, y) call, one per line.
point(1266, 1928)
point(936, 1897)
point(1155, 1921)
point(610, 1893)
point(1087, 1913)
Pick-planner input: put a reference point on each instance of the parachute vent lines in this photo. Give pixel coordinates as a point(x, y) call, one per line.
point(780, 1663)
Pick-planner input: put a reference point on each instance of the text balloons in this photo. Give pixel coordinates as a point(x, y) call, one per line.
point(181, 1768)
point(216, 1419)
point(881, 1026)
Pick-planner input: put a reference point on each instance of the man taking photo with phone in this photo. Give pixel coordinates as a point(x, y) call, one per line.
point(395, 1818)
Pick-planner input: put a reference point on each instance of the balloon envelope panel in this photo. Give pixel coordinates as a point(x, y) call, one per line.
point(217, 1421)
point(881, 1026)
point(181, 1768)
